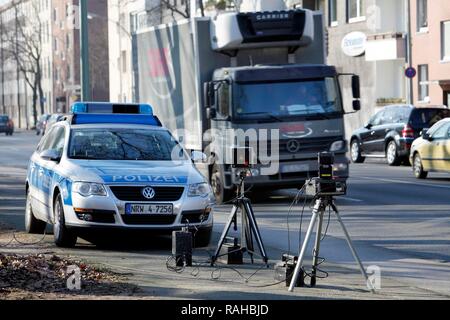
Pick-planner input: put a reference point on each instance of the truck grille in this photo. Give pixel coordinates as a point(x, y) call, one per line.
point(150, 219)
point(128, 193)
point(309, 145)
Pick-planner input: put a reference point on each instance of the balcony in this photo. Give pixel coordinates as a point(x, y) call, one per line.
point(386, 46)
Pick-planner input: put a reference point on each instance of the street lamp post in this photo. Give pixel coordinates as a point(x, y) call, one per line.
point(84, 40)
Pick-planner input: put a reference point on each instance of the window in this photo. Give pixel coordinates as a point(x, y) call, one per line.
point(445, 40)
point(58, 141)
point(423, 82)
point(67, 41)
point(55, 15)
point(377, 119)
point(124, 61)
point(441, 132)
point(355, 12)
point(422, 15)
point(124, 144)
point(55, 45)
point(333, 13)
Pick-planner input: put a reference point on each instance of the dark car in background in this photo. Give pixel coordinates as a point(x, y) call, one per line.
point(42, 124)
point(6, 125)
point(391, 131)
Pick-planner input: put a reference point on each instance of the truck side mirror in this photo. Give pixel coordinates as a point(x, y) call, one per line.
point(209, 94)
point(356, 105)
point(356, 87)
point(211, 113)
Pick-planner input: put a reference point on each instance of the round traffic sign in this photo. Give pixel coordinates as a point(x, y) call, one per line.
point(410, 72)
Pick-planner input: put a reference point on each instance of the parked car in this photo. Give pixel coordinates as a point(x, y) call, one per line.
point(392, 130)
point(42, 123)
point(431, 152)
point(6, 125)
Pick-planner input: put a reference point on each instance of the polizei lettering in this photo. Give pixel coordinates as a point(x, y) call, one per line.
point(252, 310)
point(145, 178)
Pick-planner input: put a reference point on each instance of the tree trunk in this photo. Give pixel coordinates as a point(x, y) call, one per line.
point(39, 87)
point(35, 97)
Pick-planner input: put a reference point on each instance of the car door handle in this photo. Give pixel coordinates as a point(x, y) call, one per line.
point(372, 133)
point(41, 171)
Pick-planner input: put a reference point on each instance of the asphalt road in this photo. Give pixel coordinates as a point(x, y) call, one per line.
point(397, 223)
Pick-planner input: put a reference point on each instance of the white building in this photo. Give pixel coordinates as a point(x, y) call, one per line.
point(15, 93)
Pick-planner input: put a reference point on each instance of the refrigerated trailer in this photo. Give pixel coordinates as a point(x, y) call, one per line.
point(240, 71)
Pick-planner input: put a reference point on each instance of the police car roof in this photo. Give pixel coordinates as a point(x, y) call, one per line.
point(116, 126)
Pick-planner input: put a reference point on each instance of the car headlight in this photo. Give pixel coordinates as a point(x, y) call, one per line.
point(199, 190)
point(337, 146)
point(87, 189)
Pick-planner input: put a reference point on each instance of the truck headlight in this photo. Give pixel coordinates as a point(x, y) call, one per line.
point(87, 189)
point(199, 190)
point(337, 146)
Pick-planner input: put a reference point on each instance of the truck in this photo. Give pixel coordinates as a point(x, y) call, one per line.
point(243, 71)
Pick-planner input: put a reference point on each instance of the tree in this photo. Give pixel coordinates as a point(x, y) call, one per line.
point(23, 38)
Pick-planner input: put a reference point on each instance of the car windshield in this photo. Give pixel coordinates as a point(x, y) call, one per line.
point(427, 117)
point(287, 99)
point(3, 118)
point(124, 144)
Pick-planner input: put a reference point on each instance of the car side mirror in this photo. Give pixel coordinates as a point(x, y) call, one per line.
point(211, 113)
point(368, 126)
point(50, 155)
point(356, 105)
point(425, 135)
point(198, 156)
point(356, 87)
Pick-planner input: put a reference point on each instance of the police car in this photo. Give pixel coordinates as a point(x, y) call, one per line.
point(115, 166)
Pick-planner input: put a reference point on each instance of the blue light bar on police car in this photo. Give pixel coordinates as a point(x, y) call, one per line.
point(111, 108)
point(86, 118)
point(103, 112)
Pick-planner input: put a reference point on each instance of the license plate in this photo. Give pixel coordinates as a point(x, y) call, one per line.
point(294, 168)
point(153, 208)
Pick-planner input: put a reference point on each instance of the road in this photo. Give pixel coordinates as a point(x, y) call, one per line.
point(398, 224)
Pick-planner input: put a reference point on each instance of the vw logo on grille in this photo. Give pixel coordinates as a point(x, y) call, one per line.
point(293, 146)
point(148, 192)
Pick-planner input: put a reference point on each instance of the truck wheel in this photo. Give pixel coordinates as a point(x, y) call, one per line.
point(391, 154)
point(355, 151)
point(419, 173)
point(218, 185)
point(32, 225)
point(63, 237)
point(203, 238)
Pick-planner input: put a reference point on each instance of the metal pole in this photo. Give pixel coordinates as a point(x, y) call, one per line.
point(84, 42)
point(17, 68)
point(2, 58)
point(316, 212)
point(409, 51)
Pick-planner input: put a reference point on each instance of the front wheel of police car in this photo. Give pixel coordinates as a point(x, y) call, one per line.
point(63, 236)
point(32, 224)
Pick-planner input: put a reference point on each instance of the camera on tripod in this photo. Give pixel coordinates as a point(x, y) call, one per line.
point(324, 184)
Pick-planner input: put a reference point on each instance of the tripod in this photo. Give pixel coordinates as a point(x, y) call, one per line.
point(321, 204)
point(248, 223)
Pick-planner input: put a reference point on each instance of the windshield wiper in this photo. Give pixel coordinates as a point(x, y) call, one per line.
point(271, 116)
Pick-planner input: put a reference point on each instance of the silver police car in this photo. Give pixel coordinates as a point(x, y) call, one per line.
point(115, 166)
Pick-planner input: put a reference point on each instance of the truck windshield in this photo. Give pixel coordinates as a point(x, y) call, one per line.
point(319, 98)
point(124, 144)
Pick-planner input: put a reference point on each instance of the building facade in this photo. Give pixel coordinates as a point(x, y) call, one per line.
point(66, 52)
point(58, 22)
point(368, 38)
point(430, 33)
